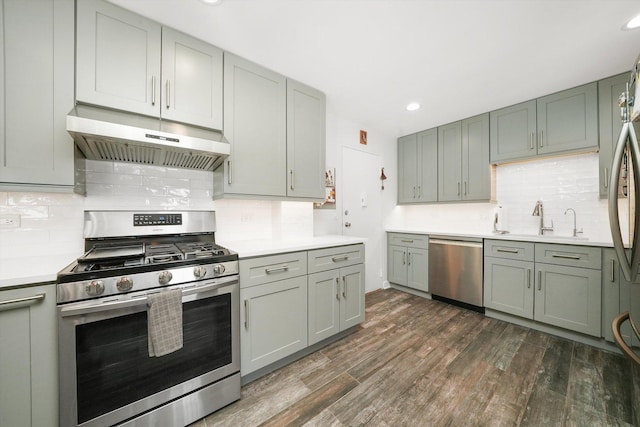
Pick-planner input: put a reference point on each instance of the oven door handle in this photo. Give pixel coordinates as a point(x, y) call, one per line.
point(76, 310)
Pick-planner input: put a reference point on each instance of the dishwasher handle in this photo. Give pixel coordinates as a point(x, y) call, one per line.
point(455, 243)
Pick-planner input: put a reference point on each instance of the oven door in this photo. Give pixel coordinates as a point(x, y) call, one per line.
point(106, 374)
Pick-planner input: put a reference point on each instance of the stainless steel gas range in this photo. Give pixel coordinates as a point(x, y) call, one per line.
point(107, 376)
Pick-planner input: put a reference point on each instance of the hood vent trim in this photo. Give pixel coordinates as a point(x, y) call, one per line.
point(122, 137)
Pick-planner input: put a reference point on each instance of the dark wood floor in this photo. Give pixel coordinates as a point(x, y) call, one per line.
point(422, 362)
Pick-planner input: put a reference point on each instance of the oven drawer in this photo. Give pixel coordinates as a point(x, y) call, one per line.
point(331, 258)
point(256, 271)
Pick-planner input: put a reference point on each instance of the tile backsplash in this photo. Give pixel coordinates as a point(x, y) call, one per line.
point(560, 183)
point(51, 223)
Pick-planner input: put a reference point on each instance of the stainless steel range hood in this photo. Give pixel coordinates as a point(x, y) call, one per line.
point(103, 134)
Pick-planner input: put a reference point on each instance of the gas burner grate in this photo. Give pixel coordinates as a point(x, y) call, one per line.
point(193, 250)
point(156, 254)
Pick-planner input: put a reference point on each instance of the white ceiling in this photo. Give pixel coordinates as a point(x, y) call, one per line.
point(457, 58)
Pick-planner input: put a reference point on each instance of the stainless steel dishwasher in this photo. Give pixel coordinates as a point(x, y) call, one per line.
point(455, 269)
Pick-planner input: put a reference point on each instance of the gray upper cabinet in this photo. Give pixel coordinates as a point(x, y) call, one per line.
point(609, 91)
point(37, 93)
point(305, 141)
point(513, 131)
point(109, 75)
point(192, 80)
point(476, 176)
point(450, 162)
point(255, 125)
point(418, 167)
point(160, 73)
point(562, 122)
point(276, 128)
point(463, 160)
point(568, 120)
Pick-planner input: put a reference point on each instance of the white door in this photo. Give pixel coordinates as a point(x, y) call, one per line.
point(362, 208)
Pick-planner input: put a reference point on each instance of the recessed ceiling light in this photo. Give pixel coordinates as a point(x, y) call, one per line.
point(211, 2)
point(413, 106)
point(632, 23)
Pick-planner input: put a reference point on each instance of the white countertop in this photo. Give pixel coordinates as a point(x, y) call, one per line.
point(254, 248)
point(565, 240)
point(32, 270)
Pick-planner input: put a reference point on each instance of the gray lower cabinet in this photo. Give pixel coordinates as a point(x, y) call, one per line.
point(292, 300)
point(336, 301)
point(418, 167)
point(618, 295)
point(558, 285)
point(29, 355)
point(408, 260)
point(562, 122)
point(37, 54)
point(508, 277)
point(161, 73)
point(273, 309)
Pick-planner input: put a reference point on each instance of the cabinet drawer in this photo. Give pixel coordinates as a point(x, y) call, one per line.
point(330, 258)
point(420, 241)
point(255, 271)
point(573, 256)
point(522, 251)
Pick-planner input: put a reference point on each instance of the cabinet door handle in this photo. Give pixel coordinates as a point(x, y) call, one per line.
point(509, 251)
point(465, 188)
point(246, 314)
point(404, 258)
point(528, 278)
point(344, 287)
point(419, 191)
point(338, 288)
point(292, 183)
point(340, 258)
point(409, 258)
point(606, 177)
point(563, 256)
point(541, 138)
point(276, 269)
point(414, 191)
point(229, 172)
point(539, 280)
point(613, 270)
point(169, 95)
point(20, 302)
point(458, 188)
point(531, 135)
point(153, 90)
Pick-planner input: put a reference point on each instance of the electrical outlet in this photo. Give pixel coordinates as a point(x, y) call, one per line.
point(9, 221)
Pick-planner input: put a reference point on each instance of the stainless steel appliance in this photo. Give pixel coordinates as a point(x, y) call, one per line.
point(106, 374)
point(103, 134)
point(627, 151)
point(455, 270)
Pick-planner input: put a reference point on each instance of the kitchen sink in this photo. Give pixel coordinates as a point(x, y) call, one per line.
point(539, 238)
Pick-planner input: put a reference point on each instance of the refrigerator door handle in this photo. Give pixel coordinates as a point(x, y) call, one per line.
point(629, 267)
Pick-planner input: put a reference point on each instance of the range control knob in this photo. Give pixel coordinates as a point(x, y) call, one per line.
point(218, 269)
point(94, 288)
point(124, 284)
point(165, 277)
point(199, 271)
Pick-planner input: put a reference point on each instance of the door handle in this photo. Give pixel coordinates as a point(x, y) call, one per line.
point(344, 287)
point(528, 278)
point(539, 280)
point(347, 224)
point(409, 258)
point(153, 90)
point(606, 177)
point(292, 183)
point(246, 314)
point(168, 93)
point(338, 288)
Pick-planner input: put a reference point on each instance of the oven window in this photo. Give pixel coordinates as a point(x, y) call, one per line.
point(112, 357)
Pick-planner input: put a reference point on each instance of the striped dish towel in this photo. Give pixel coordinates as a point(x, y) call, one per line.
point(164, 322)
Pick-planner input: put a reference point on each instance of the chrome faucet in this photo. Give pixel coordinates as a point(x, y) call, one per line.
point(539, 211)
point(575, 230)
